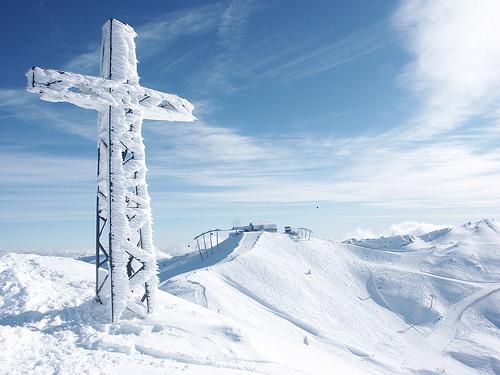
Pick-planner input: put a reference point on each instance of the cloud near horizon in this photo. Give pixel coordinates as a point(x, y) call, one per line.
point(406, 227)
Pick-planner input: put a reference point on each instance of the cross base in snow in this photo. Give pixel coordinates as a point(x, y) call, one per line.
point(125, 256)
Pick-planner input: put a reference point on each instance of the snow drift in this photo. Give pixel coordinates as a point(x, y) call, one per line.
point(50, 323)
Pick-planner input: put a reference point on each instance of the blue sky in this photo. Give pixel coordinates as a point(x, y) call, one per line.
point(345, 117)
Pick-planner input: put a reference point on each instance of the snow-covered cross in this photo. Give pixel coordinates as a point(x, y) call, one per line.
point(125, 257)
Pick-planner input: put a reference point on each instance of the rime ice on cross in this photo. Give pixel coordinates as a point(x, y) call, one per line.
point(125, 257)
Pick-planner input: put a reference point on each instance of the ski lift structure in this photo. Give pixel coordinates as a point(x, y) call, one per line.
point(299, 233)
point(209, 237)
point(262, 227)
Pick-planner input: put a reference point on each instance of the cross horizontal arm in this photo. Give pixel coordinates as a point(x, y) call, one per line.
point(99, 93)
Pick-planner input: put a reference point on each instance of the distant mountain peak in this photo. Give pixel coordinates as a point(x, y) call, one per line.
point(488, 223)
point(483, 231)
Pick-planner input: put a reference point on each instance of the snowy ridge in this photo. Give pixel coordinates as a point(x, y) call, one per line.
point(271, 305)
point(486, 231)
point(348, 300)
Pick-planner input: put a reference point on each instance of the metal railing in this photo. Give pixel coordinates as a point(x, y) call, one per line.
point(210, 235)
point(301, 233)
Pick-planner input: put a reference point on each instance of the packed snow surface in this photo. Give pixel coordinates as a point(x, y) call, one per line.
point(50, 323)
point(265, 303)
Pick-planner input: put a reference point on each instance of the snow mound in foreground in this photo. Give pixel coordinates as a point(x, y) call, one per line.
point(50, 323)
point(434, 309)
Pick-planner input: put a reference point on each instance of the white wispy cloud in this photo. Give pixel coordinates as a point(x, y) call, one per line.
point(455, 71)
point(23, 106)
point(155, 35)
point(313, 168)
point(39, 170)
point(44, 187)
point(406, 227)
point(86, 62)
point(269, 60)
point(230, 33)
point(13, 98)
point(414, 227)
point(200, 142)
point(302, 61)
point(233, 23)
point(215, 164)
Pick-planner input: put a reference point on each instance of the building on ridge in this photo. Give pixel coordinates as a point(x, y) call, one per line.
point(261, 227)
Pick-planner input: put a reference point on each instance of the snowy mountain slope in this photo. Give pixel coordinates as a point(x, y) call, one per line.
point(232, 247)
point(433, 310)
point(271, 305)
point(50, 323)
